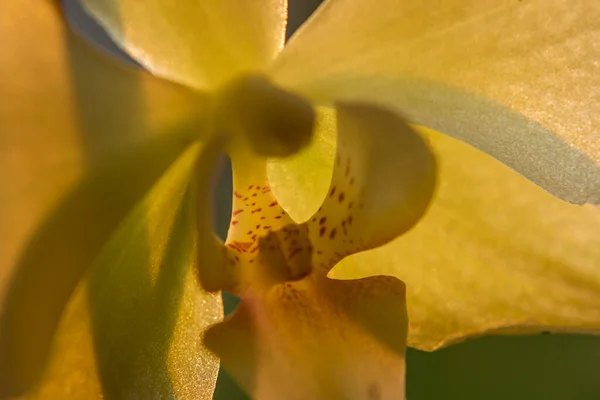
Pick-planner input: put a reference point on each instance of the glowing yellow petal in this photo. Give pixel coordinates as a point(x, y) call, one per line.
point(383, 180)
point(134, 327)
point(198, 43)
point(494, 253)
point(517, 79)
point(327, 340)
point(81, 140)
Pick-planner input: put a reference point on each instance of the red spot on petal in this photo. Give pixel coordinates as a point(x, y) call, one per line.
point(351, 181)
point(263, 217)
point(273, 204)
point(257, 210)
point(322, 231)
point(341, 197)
point(294, 252)
point(253, 204)
point(250, 187)
point(319, 252)
point(267, 227)
point(257, 226)
point(236, 212)
point(245, 199)
point(350, 220)
point(249, 233)
point(332, 192)
point(347, 171)
point(322, 220)
point(234, 222)
point(236, 194)
point(332, 233)
point(258, 187)
point(350, 205)
point(254, 195)
point(278, 217)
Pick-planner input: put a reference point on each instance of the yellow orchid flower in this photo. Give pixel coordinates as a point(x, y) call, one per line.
point(106, 219)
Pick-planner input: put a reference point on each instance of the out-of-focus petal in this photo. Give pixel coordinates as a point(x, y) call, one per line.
point(383, 180)
point(133, 328)
point(81, 140)
point(517, 79)
point(493, 254)
point(327, 340)
point(198, 43)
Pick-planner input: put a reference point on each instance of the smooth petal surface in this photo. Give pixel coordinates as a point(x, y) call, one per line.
point(494, 254)
point(134, 327)
point(517, 79)
point(200, 43)
point(332, 340)
point(383, 179)
point(81, 140)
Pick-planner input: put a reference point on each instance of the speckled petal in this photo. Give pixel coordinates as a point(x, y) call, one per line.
point(81, 140)
point(328, 340)
point(133, 328)
point(383, 179)
point(516, 79)
point(493, 254)
point(198, 43)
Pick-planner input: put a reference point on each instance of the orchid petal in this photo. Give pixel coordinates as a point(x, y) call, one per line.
point(81, 140)
point(383, 180)
point(134, 326)
point(494, 254)
point(333, 340)
point(197, 43)
point(517, 79)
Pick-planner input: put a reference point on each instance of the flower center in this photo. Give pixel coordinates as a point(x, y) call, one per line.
point(272, 121)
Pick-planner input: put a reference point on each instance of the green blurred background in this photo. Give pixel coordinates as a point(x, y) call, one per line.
point(545, 367)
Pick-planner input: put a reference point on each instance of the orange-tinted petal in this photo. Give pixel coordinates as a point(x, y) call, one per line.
point(326, 340)
point(81, 140)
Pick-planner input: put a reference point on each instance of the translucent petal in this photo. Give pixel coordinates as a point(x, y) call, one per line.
point(81, 140)
point(517, 79)
point(494, 254)
point(198, 43)
point(134, 327)
point(327, 340)
point(383, 180)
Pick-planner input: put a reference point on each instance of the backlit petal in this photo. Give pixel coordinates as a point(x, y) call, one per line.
point(494, 253)
point(383, 180)
point(198, 43)
point(133, 328)
point(517, 79)
point(331, 340)
point(81, 140)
